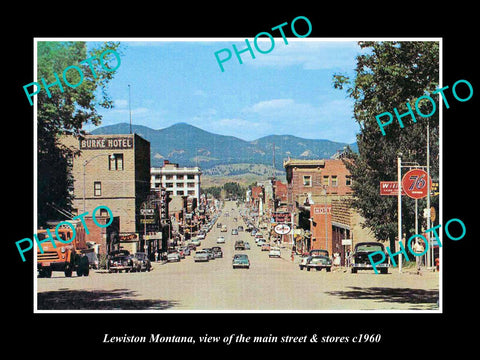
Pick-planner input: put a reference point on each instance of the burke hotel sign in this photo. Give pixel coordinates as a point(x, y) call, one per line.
point(108, 143)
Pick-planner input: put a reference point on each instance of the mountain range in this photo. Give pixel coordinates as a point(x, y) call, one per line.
point(188, 145)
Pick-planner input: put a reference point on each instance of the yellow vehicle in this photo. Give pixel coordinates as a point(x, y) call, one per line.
point(224, 228)
point(66, 256)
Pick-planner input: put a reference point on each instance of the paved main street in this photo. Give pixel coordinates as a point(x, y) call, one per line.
point(269, 284)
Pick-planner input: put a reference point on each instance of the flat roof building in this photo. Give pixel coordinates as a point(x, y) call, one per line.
point(112, 171)
point(177, 181)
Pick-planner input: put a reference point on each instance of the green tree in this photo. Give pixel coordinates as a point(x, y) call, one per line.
point(234, 189)
point(388, 75)
point(66, 112)
point(215, 191)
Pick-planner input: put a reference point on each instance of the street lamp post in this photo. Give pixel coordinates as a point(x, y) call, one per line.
point(324, 192)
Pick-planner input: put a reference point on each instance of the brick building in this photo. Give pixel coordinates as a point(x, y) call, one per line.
point(311, 178)
point(312, 185)
point(319, 192)
point(113, 171)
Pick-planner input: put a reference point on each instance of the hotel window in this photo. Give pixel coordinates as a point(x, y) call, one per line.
point(116, 162)
point(179, 185)
point(307, 180)
point(334, 180)
point(169, 185)
point(348, 180)
point(191, 192)
point(191, 185)
point(190, 177)
point(180, 192)
point(97, 188)
point(325, 181)
point(168, 177)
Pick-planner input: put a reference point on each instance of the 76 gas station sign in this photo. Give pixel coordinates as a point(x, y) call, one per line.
point(416, 183)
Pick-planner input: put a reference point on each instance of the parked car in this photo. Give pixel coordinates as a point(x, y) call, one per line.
point(319, 262)
point(240, 260)
point(246, 245)
point(265, 247)
point(360, 260)
point(186, 251)
point(224, 228)
point(142, 262)
point(239, 245)
point(201, 255)
point(210, 253)
point(274, 252)
point(307, 257)
point(217, 252)
point(195, 241)
point(191, 246)
point(201, 235)
point(220, 240)
point(240, 228)
point(173, 256)
point(219, 225)
point(120, 260)
point(234, 232)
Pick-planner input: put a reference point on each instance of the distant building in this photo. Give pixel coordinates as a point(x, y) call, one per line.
point(177, 181)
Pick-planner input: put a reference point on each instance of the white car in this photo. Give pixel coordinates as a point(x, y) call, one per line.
point(201, 255)
point(260, 242)
point(195, 241)
point(201, 236)
point(274, 252)
point(173, 257)
point(221, 240)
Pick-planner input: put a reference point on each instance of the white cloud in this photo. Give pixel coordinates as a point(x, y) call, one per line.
point(282, 108)
point(310, 54)
point(121, 103)
point(326, 120)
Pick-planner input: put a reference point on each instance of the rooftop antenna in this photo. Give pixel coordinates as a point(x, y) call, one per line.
point(130, 108)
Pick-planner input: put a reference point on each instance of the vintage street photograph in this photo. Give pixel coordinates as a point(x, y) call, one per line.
point(264, 174)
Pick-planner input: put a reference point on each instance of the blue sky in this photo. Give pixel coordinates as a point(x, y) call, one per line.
point(286, 91)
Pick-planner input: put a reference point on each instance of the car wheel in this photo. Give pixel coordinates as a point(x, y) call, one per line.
point(308, 269)
point(354, 271)
point(328, 269)
point(68, 271)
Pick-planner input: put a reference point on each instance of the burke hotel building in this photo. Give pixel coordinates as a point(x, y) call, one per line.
point(113, 171)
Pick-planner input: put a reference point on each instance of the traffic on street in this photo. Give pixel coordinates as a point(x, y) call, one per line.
point(230, 269)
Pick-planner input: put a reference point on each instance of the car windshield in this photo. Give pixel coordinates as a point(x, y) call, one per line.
point(369, 247)
point(320, 252)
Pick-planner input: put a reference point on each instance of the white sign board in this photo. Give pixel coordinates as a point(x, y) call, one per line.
point(282, 229)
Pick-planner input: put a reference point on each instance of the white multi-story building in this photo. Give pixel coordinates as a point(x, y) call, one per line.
point(178, 181)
